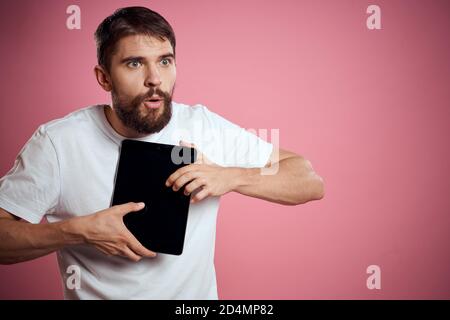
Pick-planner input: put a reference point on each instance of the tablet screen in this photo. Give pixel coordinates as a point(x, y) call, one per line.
point(142, 171)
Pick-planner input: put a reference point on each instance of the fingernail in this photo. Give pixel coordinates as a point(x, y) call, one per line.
point(141, 204)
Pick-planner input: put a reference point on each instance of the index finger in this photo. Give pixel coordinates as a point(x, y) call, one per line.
point(123, 209)
point(138, 248)
point(178, 173)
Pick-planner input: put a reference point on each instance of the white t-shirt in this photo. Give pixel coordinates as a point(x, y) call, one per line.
point(67, 169)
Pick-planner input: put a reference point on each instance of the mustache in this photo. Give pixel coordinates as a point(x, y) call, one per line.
point(151, 92)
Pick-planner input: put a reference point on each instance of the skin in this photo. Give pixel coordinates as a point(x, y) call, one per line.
point(131, 78)
point(294, 183)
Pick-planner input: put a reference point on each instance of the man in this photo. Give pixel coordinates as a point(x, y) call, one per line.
point(66, 172)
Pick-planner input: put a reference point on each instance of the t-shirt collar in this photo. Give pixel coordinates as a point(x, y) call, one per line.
point(111, 133)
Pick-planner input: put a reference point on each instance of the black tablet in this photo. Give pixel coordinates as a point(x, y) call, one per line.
point(142, 171)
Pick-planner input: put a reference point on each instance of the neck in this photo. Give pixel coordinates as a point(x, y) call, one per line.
point(118, 126)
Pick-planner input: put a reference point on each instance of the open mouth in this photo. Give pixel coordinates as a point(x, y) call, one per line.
point(153, 103)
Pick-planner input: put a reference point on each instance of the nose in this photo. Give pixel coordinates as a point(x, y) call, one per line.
point(153, 78)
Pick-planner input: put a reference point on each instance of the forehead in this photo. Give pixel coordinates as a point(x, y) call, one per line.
point(142, 45)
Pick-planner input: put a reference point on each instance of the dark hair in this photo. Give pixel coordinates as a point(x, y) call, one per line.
point(129, 21)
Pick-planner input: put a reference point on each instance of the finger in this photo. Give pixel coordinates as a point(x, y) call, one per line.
point(200, 156)
point(123, 209)
point(139, 249)
point(104, 251)
point(192, 145)
point(202, 159)
point(187, 144)
point(174, 176)
point(128, 253)
point(184, 179)
point(200, 196)
point(194, 185)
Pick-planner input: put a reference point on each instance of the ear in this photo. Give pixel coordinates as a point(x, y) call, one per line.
point(103, 78)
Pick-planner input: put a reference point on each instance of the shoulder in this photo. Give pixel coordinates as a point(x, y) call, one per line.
point(198, 113)
point(71, 124)
point(186, 111)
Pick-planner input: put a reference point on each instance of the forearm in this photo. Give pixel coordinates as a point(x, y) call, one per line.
point(295, 182)
point(22, 241)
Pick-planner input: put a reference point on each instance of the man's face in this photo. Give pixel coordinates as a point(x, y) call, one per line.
point(143, 74)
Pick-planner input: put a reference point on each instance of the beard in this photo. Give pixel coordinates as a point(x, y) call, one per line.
point(143, 122)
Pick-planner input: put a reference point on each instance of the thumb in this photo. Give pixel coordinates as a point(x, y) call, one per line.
point(201, 158)
point(126, 208)
point(191, 145)
point(186, 144)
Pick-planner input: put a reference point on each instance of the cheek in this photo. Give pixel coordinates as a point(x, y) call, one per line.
point(128, 84)
point(169, 80)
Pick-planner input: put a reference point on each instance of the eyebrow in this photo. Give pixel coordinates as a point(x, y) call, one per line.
point(140, 58)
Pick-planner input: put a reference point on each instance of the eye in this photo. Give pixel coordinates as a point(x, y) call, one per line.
point(166, 62)
point(134, 64)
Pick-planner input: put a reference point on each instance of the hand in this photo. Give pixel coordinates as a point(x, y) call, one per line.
point(106, 231)
point(203, 178)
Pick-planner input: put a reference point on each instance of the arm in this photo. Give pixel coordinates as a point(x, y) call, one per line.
point(294, 183)
point(22, 241)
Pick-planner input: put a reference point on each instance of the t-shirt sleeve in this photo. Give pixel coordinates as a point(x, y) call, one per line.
point(233, 146)
point(31, 188)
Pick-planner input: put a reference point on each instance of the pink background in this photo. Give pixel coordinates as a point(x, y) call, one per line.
point(369, 109)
